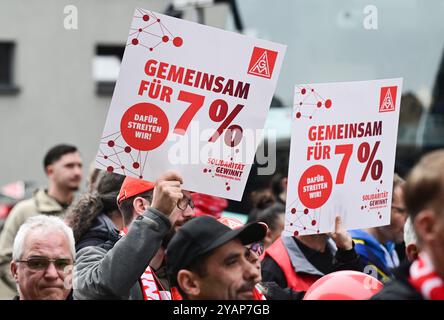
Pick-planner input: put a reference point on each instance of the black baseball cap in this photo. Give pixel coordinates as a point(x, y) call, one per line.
point(202, 235)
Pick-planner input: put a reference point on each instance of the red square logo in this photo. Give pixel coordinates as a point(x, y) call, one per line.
point(387, 99)
point(262, 62)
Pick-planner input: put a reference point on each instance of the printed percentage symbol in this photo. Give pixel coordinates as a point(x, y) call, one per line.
point(219, 113)
point(365, 156)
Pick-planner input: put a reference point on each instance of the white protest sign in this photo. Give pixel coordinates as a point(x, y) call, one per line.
point(189, 98)
point(342, 155)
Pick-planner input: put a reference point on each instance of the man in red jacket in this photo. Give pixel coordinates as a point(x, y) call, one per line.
point(297, 262)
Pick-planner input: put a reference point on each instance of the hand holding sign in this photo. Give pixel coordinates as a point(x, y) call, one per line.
point(341, 237)
point(167, 192)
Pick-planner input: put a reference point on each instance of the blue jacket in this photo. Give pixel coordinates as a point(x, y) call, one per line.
point(375, 254)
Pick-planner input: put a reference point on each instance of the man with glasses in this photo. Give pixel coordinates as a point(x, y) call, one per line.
point(43, 258)
point(376, 246)
point(132, 267)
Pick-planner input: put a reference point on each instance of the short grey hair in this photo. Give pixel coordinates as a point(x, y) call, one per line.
point(409, 233)
point(41, 222)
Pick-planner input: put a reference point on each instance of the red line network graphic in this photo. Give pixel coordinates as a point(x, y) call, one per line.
point(307, 102)
point(148, 32)
point(151, 32)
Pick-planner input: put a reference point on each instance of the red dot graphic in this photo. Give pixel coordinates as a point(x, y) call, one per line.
point(228, 188)
point(127, 149)
point(165, 38)
point(305, 228)
point(136, 165)
point(110, 169)
point(306, 211)
point(111, 143)
point(226, 183)
point(105, 157)
point(319, 104)
point(313, 222)
point(140, 29)
point(293, 210)
point(298, 115)
point(303, 91)
point(146, 17)
point(328, 103)
point(296, 233)
point(122, 167)
point(209, 170)
point(135, 42)
point(177, 41)
point(151, 49)
point(140, 177)
point(158, 20)
point(205, 170)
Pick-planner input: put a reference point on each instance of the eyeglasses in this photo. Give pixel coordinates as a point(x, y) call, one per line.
point(42, 263)
point(257, 248)
point(183, 203)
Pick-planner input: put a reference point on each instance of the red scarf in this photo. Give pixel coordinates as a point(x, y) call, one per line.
point(257, 294)
point(425, 280)
point(149, 283)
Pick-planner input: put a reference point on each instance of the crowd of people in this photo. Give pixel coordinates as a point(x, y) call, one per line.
point(130, 239)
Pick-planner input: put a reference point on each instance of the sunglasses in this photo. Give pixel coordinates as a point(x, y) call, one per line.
point(183, 203)
point(257, 248)
point(42, 263)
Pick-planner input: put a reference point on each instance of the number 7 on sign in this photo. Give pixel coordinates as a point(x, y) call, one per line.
point(196, 102)
point(346, 150)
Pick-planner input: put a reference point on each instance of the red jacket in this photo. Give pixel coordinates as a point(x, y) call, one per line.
point(298, 282)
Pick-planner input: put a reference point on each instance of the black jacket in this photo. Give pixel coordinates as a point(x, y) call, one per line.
point(102, 233)
point(399, 288)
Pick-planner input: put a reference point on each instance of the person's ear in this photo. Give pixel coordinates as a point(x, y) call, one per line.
point(268, 240)
point(424, 224)
point(14, 267)
point(49, 170)
point(188, 282)
point(140, 205)
point(411, 252)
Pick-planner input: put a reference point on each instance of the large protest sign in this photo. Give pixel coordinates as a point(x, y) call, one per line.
point(187, 98)
point(342, 155)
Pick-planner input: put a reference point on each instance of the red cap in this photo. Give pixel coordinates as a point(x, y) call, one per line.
point(132, 187)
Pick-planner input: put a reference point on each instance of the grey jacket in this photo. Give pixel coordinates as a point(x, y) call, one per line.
point(114, 274)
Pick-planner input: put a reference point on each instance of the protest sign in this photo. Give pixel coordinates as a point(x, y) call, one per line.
point(188, 98)
point(342, 155)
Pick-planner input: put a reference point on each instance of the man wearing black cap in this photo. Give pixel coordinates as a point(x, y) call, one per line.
point(206, 260)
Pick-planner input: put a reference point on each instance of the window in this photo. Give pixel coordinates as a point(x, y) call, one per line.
point(106, 66)
point(6, 68)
